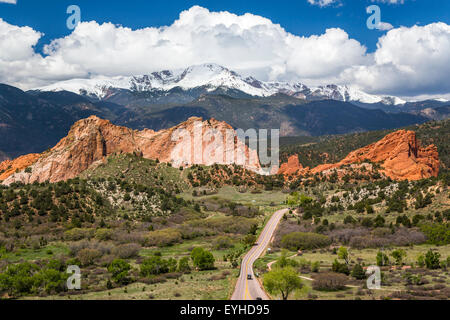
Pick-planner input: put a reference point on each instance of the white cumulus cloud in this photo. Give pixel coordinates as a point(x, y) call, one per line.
point(20, 65)
point(248, 43)
point(408, 61)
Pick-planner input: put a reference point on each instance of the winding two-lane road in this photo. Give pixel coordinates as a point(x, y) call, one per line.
point(251, 289)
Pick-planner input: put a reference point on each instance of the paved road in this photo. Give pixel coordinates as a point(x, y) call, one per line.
point(251, 289)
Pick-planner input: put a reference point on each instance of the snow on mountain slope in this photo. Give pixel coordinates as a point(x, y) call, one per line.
point(348, 94)
point(212, 76)
point(441, 100)
point(208, 75)
point(95, 87)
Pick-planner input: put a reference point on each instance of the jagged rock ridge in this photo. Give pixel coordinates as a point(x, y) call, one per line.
point(91, 140)
point(399, 153)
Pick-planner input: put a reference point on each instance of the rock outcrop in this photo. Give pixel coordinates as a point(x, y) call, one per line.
point(9, 167)
point(399, 153)
point(293, 167)
point(93, 139)
point(195, 141)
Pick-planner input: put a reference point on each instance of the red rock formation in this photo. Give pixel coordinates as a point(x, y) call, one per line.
point(91, 140)
point(292, 167)
point(9, 167)
point(399, 154)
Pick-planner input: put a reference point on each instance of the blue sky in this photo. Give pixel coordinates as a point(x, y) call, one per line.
point(298, 16)
point(316, 42)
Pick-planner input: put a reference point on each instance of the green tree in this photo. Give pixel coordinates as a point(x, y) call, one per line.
point(283, 261)
point(249, 239)
point(340, 267)
point(202, 259)
point(304, 241)
point(398, 255)
point(432, 259)
point(358, 272)
point(421, 261)
point(379, 222)
point(369, 209)
point(349, 220)
point(120, 271)
point(183, 265)
point(382, 259)
point(293, 199)
point(196, 252)
point(367, 222)
point(437, 233)
point(53, 281)
point(282, 280)
point(417, 219)
point(153, 266)
point(343, 254)
point(19, 279)
point(253, 229)
point(172, 264)
point(315, 266)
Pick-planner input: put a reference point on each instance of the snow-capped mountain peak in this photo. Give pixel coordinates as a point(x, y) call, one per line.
point(211, 77)
point(349, 94)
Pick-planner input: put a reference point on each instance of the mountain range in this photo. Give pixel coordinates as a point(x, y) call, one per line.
point(207, 78)
point(35, 120)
